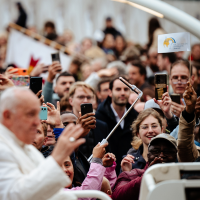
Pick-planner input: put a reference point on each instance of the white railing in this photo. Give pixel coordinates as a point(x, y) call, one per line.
point(163, 181)
point(90, 194)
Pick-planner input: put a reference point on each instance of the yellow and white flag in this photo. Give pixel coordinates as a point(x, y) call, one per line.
point(174, 42)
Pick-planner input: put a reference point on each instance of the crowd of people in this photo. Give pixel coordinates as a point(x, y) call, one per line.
point(46, 159)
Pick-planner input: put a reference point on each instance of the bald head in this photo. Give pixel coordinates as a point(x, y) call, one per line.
point(13, 97)
point(19, 112)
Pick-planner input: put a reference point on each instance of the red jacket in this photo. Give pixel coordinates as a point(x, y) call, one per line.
point(127, 186)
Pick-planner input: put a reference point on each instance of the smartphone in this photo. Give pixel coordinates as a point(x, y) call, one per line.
point(20, 71)
point(43, 113)
point(176, 98)
point(86, 108)
point(21, 80)
point(55, 57)
point(160, 85)
point(36, 84)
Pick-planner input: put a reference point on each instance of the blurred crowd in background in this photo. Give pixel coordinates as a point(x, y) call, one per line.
point(146, 136)
point(109, 49)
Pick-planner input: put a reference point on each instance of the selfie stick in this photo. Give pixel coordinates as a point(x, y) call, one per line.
point(137, 91)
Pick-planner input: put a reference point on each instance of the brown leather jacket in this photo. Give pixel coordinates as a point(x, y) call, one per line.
point(187, 150)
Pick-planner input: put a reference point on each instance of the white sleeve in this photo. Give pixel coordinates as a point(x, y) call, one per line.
point(93, 80)
point(42, 183)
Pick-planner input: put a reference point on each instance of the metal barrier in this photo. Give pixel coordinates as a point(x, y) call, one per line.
point(163, 181)
point(90, 194)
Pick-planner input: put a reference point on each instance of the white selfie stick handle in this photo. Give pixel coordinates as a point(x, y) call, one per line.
point(104, 141)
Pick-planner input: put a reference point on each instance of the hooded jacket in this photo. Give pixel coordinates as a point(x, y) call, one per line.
point(120, 141)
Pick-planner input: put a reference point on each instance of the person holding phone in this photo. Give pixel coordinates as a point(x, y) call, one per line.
point(179, 75)
point(82, 166)
point(63, 83)
point(94, 130)
point(188, 151)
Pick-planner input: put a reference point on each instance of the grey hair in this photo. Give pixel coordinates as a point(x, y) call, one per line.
point(103, 62)
point(121, 67)
point(8, 100)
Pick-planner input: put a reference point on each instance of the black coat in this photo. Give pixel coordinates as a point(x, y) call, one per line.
point(81, 168)
point(93, 137)
point(120, 141)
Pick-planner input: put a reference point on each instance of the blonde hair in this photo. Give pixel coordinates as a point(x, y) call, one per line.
point(136, 142)
point(78, 84)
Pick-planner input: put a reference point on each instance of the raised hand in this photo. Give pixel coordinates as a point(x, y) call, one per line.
point(9, 73)
point(64, 146)
point(54, 118)
point(87, 121)
point(165, 105)
point(156, 161)
point(99, 150)
point(39, 69)
point(126, 163)
point(53, 69)
point(5, 82)
point(41, 98)
point(177, 108)
point(190, 98)
point(108, 159)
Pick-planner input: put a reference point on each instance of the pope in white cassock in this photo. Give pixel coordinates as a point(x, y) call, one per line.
point(24, 173)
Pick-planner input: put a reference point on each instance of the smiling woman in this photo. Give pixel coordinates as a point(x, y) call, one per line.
point(147, 125)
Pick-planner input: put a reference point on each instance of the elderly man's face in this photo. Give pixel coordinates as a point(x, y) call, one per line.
point(24, 120)
point(164, 149)
point(179, 77)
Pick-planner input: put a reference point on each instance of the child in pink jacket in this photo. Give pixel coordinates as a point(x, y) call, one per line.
point(101, 166)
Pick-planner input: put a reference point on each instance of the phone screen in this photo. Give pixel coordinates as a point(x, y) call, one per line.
point(160, 85)
point(21, 80)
